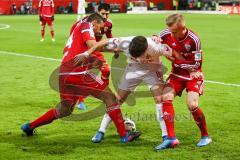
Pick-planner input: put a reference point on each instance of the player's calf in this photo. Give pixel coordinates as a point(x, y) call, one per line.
point(65, 108)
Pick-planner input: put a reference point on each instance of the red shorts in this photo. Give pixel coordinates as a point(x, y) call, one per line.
point(47, 20)
point(179, 84)
point(71, 87)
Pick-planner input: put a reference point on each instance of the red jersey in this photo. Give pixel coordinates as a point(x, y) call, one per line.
point(76, 44)
point(107, 29)
point(190, 48)
point(46, 8)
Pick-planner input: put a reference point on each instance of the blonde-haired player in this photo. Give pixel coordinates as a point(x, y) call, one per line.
point(186, 74)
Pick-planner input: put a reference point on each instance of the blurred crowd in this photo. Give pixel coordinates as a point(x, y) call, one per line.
point(29, 8)
point(26, 8)
point(195, 4)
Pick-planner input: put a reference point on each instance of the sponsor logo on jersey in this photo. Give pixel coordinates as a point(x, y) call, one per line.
point(198, 56)
point(187, 47)
point(105, 29)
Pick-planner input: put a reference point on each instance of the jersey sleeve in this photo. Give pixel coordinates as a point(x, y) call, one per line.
point(195, 60)
point(40, 8)
point(87, 32)
point(163, 34)
point(52, 8)
point(122, 43)
point(158, 49)
point(108, 32)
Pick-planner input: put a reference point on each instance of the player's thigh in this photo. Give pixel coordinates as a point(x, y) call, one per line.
point(106, 95)
point(168, 92)
point(192, 100)
point(154, 80)
point(157, 92)
point(122, 95)
point(43, 23)
point(195, 85)
point(130, 79)
point(50, 23)
point(173, 88)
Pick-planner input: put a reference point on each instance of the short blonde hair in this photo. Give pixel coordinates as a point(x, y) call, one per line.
point(175, 18)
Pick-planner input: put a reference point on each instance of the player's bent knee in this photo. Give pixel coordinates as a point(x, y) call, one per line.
point(192, 105)
point(158, 99)
point(168, 96)
point(108, 98)
point(121, 100)
point(65, 108)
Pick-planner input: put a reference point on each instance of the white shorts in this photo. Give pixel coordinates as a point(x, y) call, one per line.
point(136, 73)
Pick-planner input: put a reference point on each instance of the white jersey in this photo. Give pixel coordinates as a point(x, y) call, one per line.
point(147, 69)
point(151, 55)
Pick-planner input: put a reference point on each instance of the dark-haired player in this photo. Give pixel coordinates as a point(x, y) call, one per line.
point(75, 80)
point(104, 11)
point(144, 66)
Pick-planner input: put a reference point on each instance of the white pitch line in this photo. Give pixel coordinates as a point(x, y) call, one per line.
point(222, 83)
point(4, 26)
point(30, 56)
point(58, 60)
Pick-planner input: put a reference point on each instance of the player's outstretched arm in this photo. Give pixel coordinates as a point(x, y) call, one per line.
point(94, 46)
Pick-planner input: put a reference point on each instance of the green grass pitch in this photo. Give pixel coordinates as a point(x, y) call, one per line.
point(25, 94)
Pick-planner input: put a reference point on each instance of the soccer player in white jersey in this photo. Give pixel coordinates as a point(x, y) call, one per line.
point(144, 65)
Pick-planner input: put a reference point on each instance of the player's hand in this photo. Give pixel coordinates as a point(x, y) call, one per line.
point(157, 39)
point(116, 52)
point(52, 18)
point(80, 58)
point(176, 65)
point(172, 59)
point(196, 75)
point(40, 18)
point(166, 50)
point(116, 55)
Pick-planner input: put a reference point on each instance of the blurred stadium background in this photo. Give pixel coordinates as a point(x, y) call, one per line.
point(123, 6)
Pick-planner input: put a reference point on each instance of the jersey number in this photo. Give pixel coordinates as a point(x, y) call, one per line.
point(69, 44)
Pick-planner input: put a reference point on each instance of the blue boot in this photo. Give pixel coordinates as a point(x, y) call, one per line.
point(26, 129)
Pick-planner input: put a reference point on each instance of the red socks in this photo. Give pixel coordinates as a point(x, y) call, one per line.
point(200, 120)
point(42, 33)
point(168, 116)
point(48, 117)
point(52, 34)
point(80, 99)
point(116, 115)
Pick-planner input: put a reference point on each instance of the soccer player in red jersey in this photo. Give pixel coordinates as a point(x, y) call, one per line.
point(186, 74)
point(46, 15)
point(76, 80)
point(104, 11)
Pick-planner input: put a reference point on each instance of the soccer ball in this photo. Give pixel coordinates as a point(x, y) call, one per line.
point(129, 125)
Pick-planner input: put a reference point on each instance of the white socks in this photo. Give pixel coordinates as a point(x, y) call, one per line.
point(105, 122)
point(160, 119)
